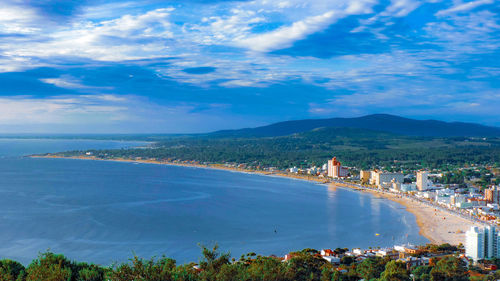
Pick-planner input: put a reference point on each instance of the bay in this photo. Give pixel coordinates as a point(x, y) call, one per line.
point(105, 212)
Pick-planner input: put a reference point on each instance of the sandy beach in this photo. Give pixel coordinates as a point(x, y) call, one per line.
point(436, 225)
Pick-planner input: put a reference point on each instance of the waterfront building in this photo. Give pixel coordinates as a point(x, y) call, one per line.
point(422, 180)
point(474, 243)
point(395, 186)
point(407, 187)
point(482, 243)
point(364, 176)
point(492, 194)
point(385, 179)
point(457, 199)
point(335, 169)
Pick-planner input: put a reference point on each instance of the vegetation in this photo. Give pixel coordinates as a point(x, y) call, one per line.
point(355, 147)
point(213, 266)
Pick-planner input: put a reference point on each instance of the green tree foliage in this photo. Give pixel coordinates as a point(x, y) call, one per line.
point(347, 260)
point(306, 265)
point(267, 269)
point(212, 261)
point(49, 267)
point(449, 269)
point(371, 268)
point(11, 270)
point(360, 148)
point(214, 265)
point(422, 273)
point(394, 271)
point(145, 270)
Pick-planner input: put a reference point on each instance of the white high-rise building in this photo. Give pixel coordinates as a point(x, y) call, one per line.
point(474, 243)
point(481, 243)
point(490, 241)
point(422, 180)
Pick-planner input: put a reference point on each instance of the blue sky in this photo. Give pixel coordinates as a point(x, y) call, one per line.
point(198, 65)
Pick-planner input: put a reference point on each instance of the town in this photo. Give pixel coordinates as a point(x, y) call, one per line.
point(464, 200)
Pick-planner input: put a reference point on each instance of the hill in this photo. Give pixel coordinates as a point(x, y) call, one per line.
point(376, 122)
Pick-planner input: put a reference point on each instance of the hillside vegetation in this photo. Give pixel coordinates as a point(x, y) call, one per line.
point(355, 147)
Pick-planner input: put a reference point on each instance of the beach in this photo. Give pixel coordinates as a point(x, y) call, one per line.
point(436, 225)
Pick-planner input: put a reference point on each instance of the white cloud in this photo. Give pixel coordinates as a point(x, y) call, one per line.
point(464, 7)
point(69, 82)
point(18, 19)
point(124, 38)
point(401, 8)
point(285, 36)
point(60, 110)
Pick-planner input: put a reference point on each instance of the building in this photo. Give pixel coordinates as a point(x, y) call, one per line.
point(364, 176)
point(492, 194)
point(335, 169)
point(458, 199)
point(385, 179)
point(422, 180)
point(481, 243)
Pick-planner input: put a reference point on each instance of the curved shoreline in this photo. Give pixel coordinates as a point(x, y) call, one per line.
point(436, 225)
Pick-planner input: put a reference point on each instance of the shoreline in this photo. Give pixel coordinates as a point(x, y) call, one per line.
point(437, 225)
point(430, 220)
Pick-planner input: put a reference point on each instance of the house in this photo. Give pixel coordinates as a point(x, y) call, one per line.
point(331, 259)
point(327, 252)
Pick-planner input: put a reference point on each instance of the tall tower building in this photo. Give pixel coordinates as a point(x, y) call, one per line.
point(335, 169)
point(482, 243)
point(492, 195)
point(474, 243)
point(422, 180)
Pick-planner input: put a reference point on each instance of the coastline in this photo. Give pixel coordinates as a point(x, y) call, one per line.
point(436, 225)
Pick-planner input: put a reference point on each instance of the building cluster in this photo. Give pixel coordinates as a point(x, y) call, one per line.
point(332, 169)
point(408, 254)
point(466, 201)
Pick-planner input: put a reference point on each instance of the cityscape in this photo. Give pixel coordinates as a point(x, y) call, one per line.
point(250, 140)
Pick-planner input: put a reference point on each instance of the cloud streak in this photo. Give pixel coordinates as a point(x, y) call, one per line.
point(263, 60)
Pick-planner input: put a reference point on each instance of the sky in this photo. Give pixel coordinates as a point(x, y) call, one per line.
point(192, 66)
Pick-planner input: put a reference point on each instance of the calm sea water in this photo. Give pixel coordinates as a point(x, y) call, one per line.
point(104, 212)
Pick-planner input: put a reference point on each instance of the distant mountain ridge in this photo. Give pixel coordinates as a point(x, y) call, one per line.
point(375, 122)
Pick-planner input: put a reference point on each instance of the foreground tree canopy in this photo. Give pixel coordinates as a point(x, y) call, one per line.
point(303, 265)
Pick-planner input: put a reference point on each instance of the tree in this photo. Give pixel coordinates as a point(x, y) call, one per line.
point(339, 276)
point(421, 273)
point(449, 269)
point(267, 268)
point(305, 265)
point(347, 260)
point(49, 267)
point(371, 268)
point(394, 271)
point(212, 261)
point(140, 269)
point(10, 270)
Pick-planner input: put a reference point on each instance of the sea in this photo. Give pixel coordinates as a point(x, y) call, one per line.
point(107, 212)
